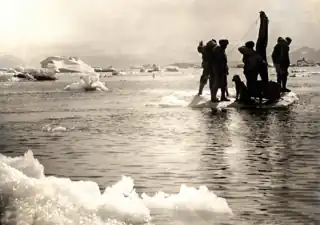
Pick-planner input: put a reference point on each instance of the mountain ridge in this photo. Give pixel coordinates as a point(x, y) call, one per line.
point(102, 59)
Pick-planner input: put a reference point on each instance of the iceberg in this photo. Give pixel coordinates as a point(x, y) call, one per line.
point(88, 82)
point(66, 64)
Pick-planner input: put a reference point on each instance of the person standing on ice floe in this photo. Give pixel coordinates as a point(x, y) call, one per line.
point(286, 66)
point(252, 64)
point(206, 51)
point(220, 70)
point(281, 61)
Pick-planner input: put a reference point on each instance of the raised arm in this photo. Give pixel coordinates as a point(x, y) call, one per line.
point(200, 47)
point(262, 41)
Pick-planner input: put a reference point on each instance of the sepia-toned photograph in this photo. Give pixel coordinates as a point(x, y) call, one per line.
point(158, 112)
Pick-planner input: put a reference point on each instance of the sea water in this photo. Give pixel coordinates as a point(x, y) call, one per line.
point(137, 154)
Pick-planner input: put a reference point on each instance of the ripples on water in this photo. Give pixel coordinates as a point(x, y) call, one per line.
point(265, 163)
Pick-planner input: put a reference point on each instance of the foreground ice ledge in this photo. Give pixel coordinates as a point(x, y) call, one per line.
point(40, 199)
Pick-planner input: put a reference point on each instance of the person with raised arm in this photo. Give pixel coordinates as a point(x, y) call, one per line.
point(206, 51)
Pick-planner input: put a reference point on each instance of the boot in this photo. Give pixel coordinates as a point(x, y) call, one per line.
point(223, 95)
point(284, 85)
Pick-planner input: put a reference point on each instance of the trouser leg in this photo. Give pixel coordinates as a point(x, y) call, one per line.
point(284, 80)
point(251, 83)
point(279, 73)
point(203, 79)
point(224, 88)
point(226, 85)
point(216, 86)
point(264, 73)
point(201, 86)
point(213, 93)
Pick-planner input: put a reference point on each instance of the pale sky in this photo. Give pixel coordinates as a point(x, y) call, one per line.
point(166, 28)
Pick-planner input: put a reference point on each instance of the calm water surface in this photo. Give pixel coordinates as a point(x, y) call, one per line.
point(265, 163)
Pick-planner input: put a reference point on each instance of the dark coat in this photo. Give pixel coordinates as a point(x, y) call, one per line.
point(251, 59)
point(280, 54)
point(220, 61)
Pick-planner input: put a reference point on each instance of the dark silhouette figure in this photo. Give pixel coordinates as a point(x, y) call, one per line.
point(252, 65)
point(224, 89)
point(286, 66)
point(220, 71)
point(261, 46)
point(206, 51)
point(281, 61)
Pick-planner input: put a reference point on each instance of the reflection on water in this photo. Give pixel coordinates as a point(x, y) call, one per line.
point(261, 163)
point(266, 164)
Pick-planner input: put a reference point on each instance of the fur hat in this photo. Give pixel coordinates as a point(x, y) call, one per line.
point(289, 40)
point(223, 42)
point(249, 44)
